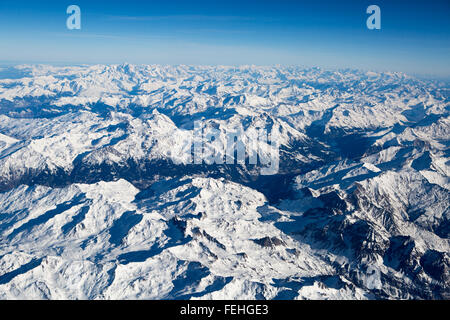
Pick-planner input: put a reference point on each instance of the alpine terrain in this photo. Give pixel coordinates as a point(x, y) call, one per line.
point(101, 198)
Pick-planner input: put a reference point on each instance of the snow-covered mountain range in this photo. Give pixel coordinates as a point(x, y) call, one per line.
point(98, 198)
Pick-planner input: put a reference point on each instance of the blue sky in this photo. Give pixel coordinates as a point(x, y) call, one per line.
point(415, 35)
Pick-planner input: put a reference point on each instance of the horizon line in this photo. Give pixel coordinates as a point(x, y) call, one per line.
point(423, 76)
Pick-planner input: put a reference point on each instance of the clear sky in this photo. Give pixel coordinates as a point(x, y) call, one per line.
point(415, 35)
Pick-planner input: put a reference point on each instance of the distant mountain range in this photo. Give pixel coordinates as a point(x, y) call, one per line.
point(98, 198)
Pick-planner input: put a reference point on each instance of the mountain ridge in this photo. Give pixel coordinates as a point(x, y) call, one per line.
point(99, 200)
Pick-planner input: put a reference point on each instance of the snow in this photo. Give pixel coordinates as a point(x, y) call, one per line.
point(99, 198)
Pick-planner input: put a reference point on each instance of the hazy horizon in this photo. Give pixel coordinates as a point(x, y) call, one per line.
point(422, 76)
